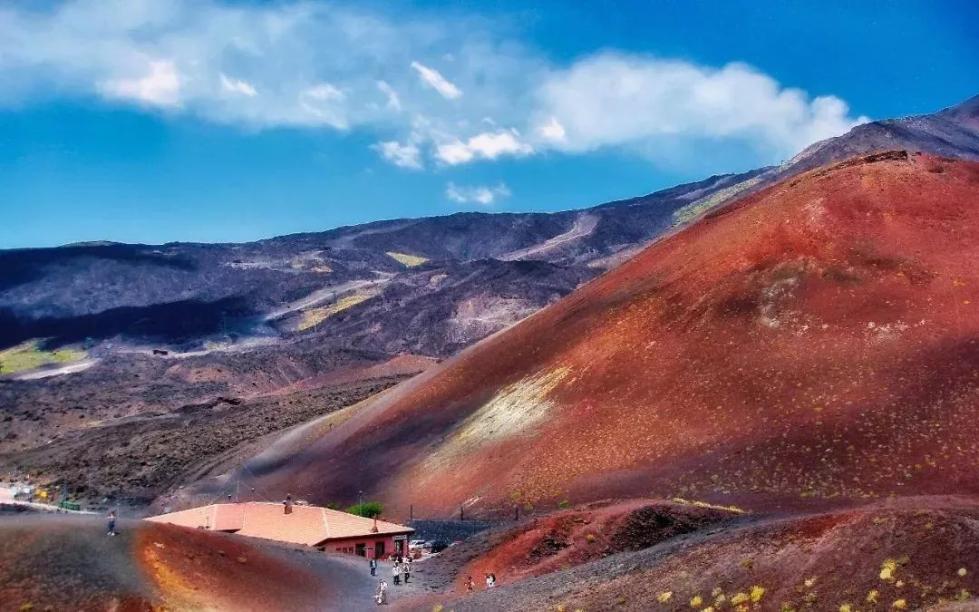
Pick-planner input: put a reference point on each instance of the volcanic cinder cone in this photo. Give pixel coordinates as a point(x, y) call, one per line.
point(816, 341)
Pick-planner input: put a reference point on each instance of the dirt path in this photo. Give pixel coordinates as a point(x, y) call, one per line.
point(584, 224)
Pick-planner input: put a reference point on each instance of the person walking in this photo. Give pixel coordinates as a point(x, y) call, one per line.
point(381, 594)
point(373, 565)
point(406, 570)
point(112, 523)
point(396, 573)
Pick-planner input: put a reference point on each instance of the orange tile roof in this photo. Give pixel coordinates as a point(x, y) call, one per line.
point(309, 525)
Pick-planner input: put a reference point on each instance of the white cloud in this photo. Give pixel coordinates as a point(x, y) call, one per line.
point(323, 101)
point(434, 79)
point(482, 195)
point(332, 66)
point(237, 86)
point(624, 100)
point(485, 145)
point(551, 130)
point(402, 155)
point(159, 86)
point(393, 100)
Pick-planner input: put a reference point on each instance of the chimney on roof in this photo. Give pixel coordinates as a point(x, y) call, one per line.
point(287, 505)
point(374, 528)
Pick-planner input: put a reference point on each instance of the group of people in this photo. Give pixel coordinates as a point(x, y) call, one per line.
point(471, 584)
point(400, 570)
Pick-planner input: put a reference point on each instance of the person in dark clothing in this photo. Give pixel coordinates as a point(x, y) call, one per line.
point(407, 568)
point(112, 523)
point(373, 566)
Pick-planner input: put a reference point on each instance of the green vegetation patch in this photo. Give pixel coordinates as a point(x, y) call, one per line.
point(370, 509)
point(28, 356)
point(407, 259)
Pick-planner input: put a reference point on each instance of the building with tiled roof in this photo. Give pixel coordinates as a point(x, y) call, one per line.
point(323, 528)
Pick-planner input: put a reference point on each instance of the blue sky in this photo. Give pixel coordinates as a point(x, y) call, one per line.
point(153, 121)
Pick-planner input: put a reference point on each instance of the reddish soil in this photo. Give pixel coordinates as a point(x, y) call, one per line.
point(905, 554)
point(815, 343)
point(60, 563)
point(574, 537)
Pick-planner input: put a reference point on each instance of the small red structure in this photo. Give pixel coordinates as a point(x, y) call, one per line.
point(323, 528)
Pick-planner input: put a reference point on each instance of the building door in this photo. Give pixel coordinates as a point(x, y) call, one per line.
point(361, 550)
point(379, 549)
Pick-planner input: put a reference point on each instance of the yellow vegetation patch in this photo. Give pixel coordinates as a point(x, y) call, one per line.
point(887, 569)
point(28, 355)
point(513, 410)
point(407, 259)
point(697, 207)
point(701, 504)
point(314, 316)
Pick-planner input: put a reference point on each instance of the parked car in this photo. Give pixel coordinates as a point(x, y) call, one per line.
point(436, 546)
point(416, 544)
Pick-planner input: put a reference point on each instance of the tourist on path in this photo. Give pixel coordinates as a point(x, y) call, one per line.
point(381, 595)
point(396, 573)
point(112, 523)
point(406, 569)
point(373, 565)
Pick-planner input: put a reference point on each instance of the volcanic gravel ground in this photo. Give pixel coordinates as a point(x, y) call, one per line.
point(138, 459)
point(909, 553)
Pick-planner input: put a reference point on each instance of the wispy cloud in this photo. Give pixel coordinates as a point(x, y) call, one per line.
point(478, 194)
point(434, 79)
point(485, 145)
point(405, 155)
point(237, 86)
point(158, 86)
point(339, 67)
point(394, 100)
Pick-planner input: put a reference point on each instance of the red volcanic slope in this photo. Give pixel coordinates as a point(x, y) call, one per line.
point(905, 555)
point(574, 537)
point(64, 563)
point(817, 340)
